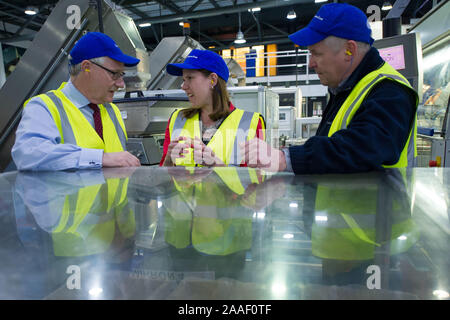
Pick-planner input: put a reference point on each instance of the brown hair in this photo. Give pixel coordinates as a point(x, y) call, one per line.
point(221, 100)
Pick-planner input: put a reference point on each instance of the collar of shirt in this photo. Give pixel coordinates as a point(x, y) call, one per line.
point(74, 95)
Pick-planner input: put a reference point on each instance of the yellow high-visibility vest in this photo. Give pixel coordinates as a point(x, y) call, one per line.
point(346, 214)
point(91, 217)
point(357, 96)
point(201, 215)
point(238, 127)
point(74, 128)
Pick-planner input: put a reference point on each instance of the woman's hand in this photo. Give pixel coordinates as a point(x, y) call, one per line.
point(177, 149)
point(204, 155)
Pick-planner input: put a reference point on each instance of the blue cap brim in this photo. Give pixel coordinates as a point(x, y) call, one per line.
point(176, 69)
point(128, 61)
point(306, 37)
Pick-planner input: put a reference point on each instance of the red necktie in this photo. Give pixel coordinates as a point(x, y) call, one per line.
point(97, 119)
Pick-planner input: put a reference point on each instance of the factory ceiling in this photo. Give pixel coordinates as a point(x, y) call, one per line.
point(212, 22)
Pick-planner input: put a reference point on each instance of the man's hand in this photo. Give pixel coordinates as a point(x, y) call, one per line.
point(120, 159)
point(256, 153)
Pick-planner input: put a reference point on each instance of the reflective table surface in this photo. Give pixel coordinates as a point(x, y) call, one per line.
point(224, 233)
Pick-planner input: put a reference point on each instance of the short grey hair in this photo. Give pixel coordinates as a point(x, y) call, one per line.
point(74, 70)
point(336, 44)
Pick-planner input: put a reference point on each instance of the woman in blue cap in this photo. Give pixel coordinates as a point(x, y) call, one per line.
point(209, 132)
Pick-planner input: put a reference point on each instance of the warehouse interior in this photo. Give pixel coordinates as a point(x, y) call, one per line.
point(162, 234)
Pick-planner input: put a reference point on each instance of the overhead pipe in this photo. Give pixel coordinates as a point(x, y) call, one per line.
point(100, 16)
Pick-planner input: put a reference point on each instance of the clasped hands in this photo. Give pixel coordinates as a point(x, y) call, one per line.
point(255, 153)
point(203, 155)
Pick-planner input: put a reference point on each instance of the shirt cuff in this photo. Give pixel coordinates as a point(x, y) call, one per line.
point(91, 158)
point(288, 160)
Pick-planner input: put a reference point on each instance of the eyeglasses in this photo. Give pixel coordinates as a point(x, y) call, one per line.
point(115, 75)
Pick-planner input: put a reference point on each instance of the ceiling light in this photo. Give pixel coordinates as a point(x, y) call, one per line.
point(319, 1)
point(31, 11)
point(386, 6)
point(257, 9)
point(291, 15)
point(144, 25)
point(240, 36)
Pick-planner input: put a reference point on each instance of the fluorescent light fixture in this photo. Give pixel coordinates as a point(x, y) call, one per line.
point(319, 1)
point(293, 205)
point(144, 25)
point(319, 218)
point(31, 11)
point(386, 6)
point(256, 9)
point(288, 236)
point(291, 15)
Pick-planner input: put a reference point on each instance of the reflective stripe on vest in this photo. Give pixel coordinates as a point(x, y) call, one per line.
point(238, 127)
point(357, 96)
point(75, 129)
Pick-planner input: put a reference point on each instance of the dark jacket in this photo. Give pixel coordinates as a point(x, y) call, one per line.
point(376, 135)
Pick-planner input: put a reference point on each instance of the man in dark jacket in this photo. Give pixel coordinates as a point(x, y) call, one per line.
point(369, 121)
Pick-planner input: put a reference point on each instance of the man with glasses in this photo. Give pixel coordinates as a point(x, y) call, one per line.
point(77, 126)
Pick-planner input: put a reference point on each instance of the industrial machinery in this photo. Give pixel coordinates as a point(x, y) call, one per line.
point(286, 119)
point(433, 121)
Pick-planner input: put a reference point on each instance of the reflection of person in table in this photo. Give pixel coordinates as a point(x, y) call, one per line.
point(214, 214)
point(358, 221)
point(85, 213)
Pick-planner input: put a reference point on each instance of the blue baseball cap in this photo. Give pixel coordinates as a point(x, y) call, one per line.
point(335, 19)
point(201, 59)
point(96, 44)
